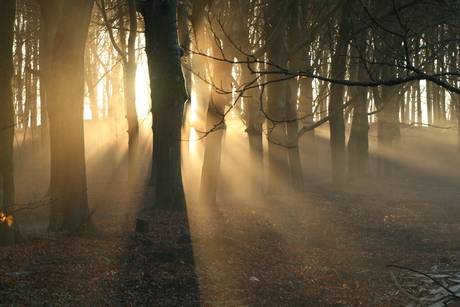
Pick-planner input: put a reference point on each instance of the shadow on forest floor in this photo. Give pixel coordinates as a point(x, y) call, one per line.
point(327, 247)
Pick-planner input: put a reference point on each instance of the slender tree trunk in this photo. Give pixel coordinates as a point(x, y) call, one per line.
point(358, 143)
point(201, 91)
point(215, 122)
point(292, 124)
point(306, 112)
point(388, 133)
point(168, 98)
point(221, 77)
point(292, 127)
point(336, 123)
point(89, 73)
point(279, 176)
point(130, 97)
point(255, 121)
point(252, 107)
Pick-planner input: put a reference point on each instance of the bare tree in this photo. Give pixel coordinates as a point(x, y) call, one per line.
point(65, 92)
point(127, 52)
point(168, 97)
point(9, 233)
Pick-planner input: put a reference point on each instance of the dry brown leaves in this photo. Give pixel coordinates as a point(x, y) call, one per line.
point(327, 247)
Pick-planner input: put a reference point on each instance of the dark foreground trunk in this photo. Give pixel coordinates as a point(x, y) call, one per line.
point(168, 98)
point(9, 233)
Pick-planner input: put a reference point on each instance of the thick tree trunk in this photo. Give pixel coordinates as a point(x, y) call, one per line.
point(9, 234)
point(50, 15)
point(65, 91)
point(168, 98)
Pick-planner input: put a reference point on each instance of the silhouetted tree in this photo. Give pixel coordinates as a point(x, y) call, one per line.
point(168, 97)
point(9, 234)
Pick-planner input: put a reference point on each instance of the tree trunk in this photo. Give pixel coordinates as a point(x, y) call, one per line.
point(168, 98)
point(130, 97)
point(336, 123)
point(255, 121)
point(50, 15)
point(358, 143)
point(292, 127)
point(9, 234)
point(252, 105)
point(221, 76)
point(65, 93)
point(92, 94)
point(388, 133)
point(279, 176)
point(215, 122)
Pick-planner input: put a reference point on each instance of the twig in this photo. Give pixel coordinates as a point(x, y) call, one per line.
point(426, 275)
point(86, 220)
point(402, 290)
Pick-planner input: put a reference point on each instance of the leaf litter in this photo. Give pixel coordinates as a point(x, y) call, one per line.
point(327, 247)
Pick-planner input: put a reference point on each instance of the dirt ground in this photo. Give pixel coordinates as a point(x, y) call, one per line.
point(329, 246)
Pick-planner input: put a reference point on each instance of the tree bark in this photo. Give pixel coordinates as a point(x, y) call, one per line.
point(221, 76)
point(292, 126)
point(358, 143)
point(65, 91)
point(279, 176)
point(168, 97)
point(50, 15)
point(9, 234)
point(252, 103)
point(388, 133)
point(336, 123)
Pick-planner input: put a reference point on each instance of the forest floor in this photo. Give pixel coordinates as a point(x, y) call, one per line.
point(327, 247)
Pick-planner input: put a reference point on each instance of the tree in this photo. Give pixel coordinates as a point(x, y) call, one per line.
point(65, 91)
point(50, 15)
point(219, 72)
point(127, 52)
point(336, 123)
point(168, 97)
point(9, 233)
